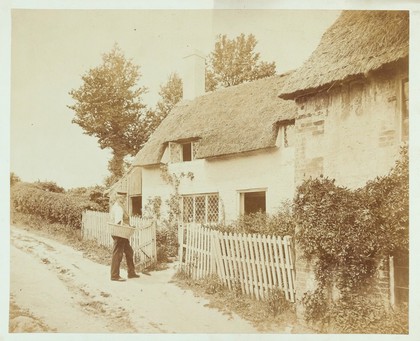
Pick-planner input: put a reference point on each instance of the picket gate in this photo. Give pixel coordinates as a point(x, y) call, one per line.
point(257, 264)
point(143, 241)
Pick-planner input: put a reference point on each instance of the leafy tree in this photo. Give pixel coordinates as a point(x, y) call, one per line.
point(170, 93)
point(14, 178)
point(234, 61)
point(109, 106)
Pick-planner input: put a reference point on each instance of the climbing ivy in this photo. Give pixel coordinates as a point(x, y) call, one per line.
point(346, 232)
point(174, 200)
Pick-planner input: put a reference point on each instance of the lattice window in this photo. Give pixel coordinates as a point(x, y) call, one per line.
point(180, 152)
point(175, 152)
point(188, 209)
point(194, 150)
point(213, 208)
point(200, 208)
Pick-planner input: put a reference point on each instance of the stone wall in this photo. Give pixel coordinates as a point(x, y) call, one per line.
point(351, 133)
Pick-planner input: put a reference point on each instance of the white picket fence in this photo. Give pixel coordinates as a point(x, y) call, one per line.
point(255, 263)
point(143, 241)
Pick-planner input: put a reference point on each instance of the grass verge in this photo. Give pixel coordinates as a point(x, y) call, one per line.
point(272, 315)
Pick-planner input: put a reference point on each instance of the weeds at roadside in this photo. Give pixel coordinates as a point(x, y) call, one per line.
point(274, 313)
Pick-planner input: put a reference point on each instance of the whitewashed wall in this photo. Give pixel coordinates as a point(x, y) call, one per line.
point(271, 169)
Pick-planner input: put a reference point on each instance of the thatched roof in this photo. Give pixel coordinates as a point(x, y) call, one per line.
point(358, 42)
point(232, 120)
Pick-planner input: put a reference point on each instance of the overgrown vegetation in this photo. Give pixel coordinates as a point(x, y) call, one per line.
point(14, 179)
point(94, 194)
point(280, 223)
point(167, 233)
point(166, 242)
point(274, 313)
point(346, 233)
point(41, 200)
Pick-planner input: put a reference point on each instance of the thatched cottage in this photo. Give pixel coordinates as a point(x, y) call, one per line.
point(352, 98)
point(342, 114)
point(352, 102)
point(236, 144)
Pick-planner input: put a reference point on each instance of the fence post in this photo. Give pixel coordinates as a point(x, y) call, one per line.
point(180, 243)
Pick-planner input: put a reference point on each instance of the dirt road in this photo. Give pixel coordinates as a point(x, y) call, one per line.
point(64, 292)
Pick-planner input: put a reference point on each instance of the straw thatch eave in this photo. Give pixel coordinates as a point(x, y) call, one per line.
point(227, 121)
point(357, 43)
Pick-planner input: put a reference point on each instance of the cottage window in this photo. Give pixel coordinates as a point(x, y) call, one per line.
point(186, 151)
point(253, 202)
point(399, 278)
point(136, 205)
point(175, 152)
point(202, 208)
point(404, 109)
point(183, 152)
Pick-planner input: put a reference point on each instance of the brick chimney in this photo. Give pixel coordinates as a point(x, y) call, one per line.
point(194, 75)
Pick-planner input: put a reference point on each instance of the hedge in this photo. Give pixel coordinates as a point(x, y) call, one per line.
point(54, 207)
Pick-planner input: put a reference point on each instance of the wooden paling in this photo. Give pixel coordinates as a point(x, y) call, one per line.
point(257, 264)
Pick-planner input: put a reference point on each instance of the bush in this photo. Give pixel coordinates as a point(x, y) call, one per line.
point(14, 179)
point(281, 223)
point(363, 315)
point(49, 186)
point(94, 194)
point(347, 232)
point(53, 207)
point(166, 242)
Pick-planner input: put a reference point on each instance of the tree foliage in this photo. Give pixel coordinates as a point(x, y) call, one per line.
point(108, 106)
point(234, 61)
point(14, 179)
point(170, 94)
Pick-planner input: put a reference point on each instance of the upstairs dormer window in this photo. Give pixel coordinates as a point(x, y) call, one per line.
point(183, 152)
point(187, 154)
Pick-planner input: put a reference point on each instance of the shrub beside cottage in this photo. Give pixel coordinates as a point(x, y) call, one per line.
point(352, 101)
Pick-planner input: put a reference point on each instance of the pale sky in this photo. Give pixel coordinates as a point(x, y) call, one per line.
point(51, 49)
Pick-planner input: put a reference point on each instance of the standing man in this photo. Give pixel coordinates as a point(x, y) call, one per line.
point(121, 245)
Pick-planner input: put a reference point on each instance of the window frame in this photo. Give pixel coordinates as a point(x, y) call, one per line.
point(194, 198)
point(183, 147)
point(131, 204)
point(177, 151)
point(242, 194)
